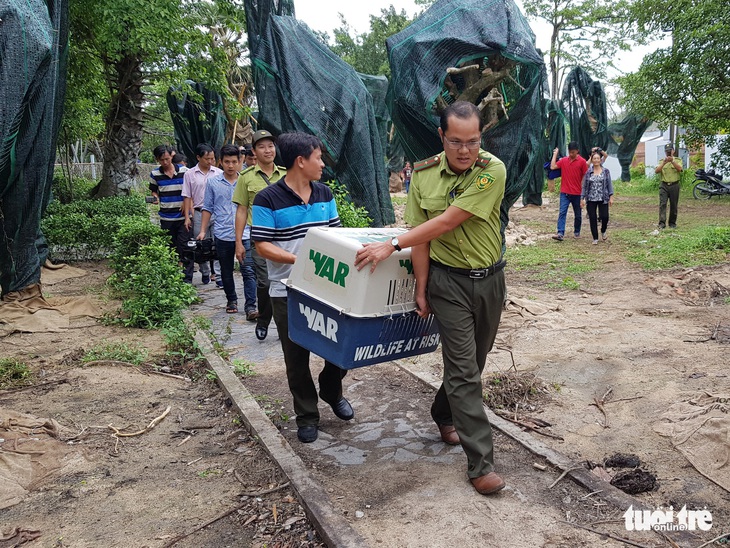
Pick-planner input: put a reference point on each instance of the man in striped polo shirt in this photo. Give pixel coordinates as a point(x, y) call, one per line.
point(282, 214)
point(166, 187)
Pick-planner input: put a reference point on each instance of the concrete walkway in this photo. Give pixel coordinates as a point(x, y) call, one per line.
point(386, 473)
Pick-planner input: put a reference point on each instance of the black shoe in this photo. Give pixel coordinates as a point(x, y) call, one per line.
point(558, 237)
point(672, 226)
point(343, 410)
point(206, 280)
point(261, 332)
point(307, 434)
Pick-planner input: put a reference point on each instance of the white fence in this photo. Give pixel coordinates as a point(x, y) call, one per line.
point(94, 171)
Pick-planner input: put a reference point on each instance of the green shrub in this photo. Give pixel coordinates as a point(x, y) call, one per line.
point(351, 215)
point(85, 229)
point(638, 171)
point(113, 206)
point(180, 340)
point(14, 373)
point(151, 286)
point(79, 190)
point(133, 233)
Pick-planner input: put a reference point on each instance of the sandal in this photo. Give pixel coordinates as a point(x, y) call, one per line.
point(232, 308)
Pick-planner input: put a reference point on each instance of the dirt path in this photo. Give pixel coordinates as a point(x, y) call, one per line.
point(196, 465)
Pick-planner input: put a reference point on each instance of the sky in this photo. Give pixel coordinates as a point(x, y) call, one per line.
point(322, 15)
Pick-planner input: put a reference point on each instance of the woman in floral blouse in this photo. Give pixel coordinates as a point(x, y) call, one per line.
point(597, 195)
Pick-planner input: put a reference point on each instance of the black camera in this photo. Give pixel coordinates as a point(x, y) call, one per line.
point(201, 251)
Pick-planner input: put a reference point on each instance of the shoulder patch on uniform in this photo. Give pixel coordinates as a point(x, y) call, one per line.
point(249, 168)
point(483, 161)
point(485, 181)
point(428, 162)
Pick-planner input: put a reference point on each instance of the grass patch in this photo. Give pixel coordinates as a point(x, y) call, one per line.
point(274, 408)
point(242, 368)
point(399, 200)
point(638, 186)
point(673, 248)
point(14, 373)
point(553, 262)
point(121, 352)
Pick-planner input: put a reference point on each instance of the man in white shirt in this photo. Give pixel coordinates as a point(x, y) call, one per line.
point(193, 191)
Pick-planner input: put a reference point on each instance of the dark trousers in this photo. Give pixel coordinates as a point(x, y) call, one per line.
point(668, 193)
point(226, 257)
point(468, 313)
point(180, 236)
point(262, 288)
point(595, 209)
point(301, 384)
point(249, 279)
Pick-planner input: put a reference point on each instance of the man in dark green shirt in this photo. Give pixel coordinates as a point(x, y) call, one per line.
point(456, 250)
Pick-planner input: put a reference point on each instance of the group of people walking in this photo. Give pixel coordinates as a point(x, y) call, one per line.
point(259, 214)
point(208, 202)
point(587, 184)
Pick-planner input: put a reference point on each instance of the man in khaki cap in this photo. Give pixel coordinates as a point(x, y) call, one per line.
point(251, 181)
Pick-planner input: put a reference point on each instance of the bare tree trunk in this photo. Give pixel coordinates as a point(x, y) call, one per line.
point(123, 128)
point(554, 68)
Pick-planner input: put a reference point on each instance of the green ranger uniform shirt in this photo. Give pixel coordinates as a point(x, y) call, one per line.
point(251, 182)
point(670, 173)
point(477, 242)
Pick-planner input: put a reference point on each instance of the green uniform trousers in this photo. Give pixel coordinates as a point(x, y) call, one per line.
point(468, 313)
point(301, 384)
point(262, 288)
point(668, 193)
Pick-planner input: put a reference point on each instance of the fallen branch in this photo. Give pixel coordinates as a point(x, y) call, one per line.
point(149, 427)
point(724, 535)
point(531, 428)
point(49, 383)
point(112, 362)
point(600, 403)
point(624, 399)
point(163, 374)
point(606, 534)
point(267, 491)
point(177, 539)
point(568, 471)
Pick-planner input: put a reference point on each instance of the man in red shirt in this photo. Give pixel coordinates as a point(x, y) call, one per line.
point(573, 168)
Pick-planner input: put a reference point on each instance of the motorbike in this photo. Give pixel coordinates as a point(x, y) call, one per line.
point(708, 184)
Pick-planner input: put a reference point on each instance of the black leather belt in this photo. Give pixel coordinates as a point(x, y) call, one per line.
point(198, 208)
point(474, 273)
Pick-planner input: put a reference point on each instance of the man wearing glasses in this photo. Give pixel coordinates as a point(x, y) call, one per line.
point(456, 250)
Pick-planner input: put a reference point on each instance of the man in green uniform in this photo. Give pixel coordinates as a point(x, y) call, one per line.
point(456, 250)
point(670, 169)
point(252, 180)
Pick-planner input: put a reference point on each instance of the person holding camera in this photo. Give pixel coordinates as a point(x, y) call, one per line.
point(600, 151)
point(670, 169)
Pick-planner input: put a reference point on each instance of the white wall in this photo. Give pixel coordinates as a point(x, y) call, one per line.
point(711, 151)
